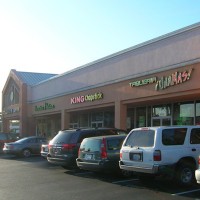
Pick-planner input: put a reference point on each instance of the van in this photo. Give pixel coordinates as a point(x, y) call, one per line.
point(169, 150)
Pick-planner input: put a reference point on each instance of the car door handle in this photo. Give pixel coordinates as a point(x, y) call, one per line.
point(193, 149)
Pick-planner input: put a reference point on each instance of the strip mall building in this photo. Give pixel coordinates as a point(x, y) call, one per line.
point(151, 84)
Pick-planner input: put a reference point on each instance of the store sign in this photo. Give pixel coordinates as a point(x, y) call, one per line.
point(143, 82)
point(12, 110)
point(90, 97)
point(46, 106)
point(173, 79)
point(165, 81)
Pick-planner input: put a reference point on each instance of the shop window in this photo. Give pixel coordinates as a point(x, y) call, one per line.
point(184, 113)
point(11, 96)
point(130, 119)
point(84, 120)
point(197, 119)
point(109, 119)
point(141, 117)
point(149, 116)
point(97, 116)
point(74, 118)
point(161, 110)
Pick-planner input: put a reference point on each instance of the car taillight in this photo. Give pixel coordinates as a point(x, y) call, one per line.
point(79, 151)
point(120, 155)
point(103, 149)
point(68, 146)
point(157, 155)
point(49, 146)
point(199, 161)
point(9, 146)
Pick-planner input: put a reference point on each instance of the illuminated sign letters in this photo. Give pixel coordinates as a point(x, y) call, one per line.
point(46, 106)
point(174, 79)
point(90, 97)
point(165, 81)
point(143, 82)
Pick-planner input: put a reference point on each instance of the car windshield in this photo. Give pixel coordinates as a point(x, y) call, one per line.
point(140, 138)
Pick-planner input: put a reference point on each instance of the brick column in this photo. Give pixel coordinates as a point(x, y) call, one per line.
point(120, 115)
point(64, 119)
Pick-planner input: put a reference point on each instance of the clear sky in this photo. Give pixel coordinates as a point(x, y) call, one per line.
point(55, 36)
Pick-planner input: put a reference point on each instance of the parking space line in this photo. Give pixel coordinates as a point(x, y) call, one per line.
point(136, 179)
point(186, 192)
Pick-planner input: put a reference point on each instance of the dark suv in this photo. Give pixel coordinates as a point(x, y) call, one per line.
point(100, 154)
point(63, 148)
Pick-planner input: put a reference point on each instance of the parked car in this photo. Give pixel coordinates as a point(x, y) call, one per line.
point(6, 137)
point(197, 172)
point(44, 150)
point(63, 148)
point(100, 154)
point(25, 147)
point(170, 151)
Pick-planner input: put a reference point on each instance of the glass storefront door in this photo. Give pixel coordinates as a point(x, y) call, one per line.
point(97, 124)
point(161, 121)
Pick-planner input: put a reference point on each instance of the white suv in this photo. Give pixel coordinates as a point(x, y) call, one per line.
point(171, 151)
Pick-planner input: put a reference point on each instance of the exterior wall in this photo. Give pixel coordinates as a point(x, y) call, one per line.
point(121, 95)
point(160, 54)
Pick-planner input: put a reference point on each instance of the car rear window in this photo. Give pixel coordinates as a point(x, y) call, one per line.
point(141, 138)
point(90, 145)
point(175, 136)
point(63, 137)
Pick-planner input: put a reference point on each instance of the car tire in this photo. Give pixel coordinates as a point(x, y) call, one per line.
point(26, 153)
point(185, 174)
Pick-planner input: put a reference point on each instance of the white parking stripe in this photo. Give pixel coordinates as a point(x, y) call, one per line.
point(136, 179)
point(190, 191)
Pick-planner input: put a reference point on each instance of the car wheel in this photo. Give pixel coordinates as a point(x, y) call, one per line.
point(26, 153)
point(185, 174)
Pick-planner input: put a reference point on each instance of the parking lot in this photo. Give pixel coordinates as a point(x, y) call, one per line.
point(35, 178)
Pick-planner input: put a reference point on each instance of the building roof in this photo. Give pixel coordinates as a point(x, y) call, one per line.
point(32, 78)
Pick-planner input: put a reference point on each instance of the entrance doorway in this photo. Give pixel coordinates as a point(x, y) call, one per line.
point(161, 121)
point(97, 124)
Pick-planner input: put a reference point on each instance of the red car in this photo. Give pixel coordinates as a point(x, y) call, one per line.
point(6, 137)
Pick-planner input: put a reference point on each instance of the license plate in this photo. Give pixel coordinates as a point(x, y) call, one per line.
point(88, 156)
point(56, 150)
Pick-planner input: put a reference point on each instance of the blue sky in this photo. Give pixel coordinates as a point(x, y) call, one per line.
point(55, 36)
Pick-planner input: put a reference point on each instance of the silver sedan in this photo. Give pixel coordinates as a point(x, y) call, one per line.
point(25, 147)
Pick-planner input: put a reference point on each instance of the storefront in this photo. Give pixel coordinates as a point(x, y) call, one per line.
point(152, 84)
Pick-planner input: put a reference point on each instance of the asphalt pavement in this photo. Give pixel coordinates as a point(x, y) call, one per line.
point(35, 179)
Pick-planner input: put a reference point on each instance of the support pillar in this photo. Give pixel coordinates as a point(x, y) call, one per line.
point(65, 118)
point(120, 115)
